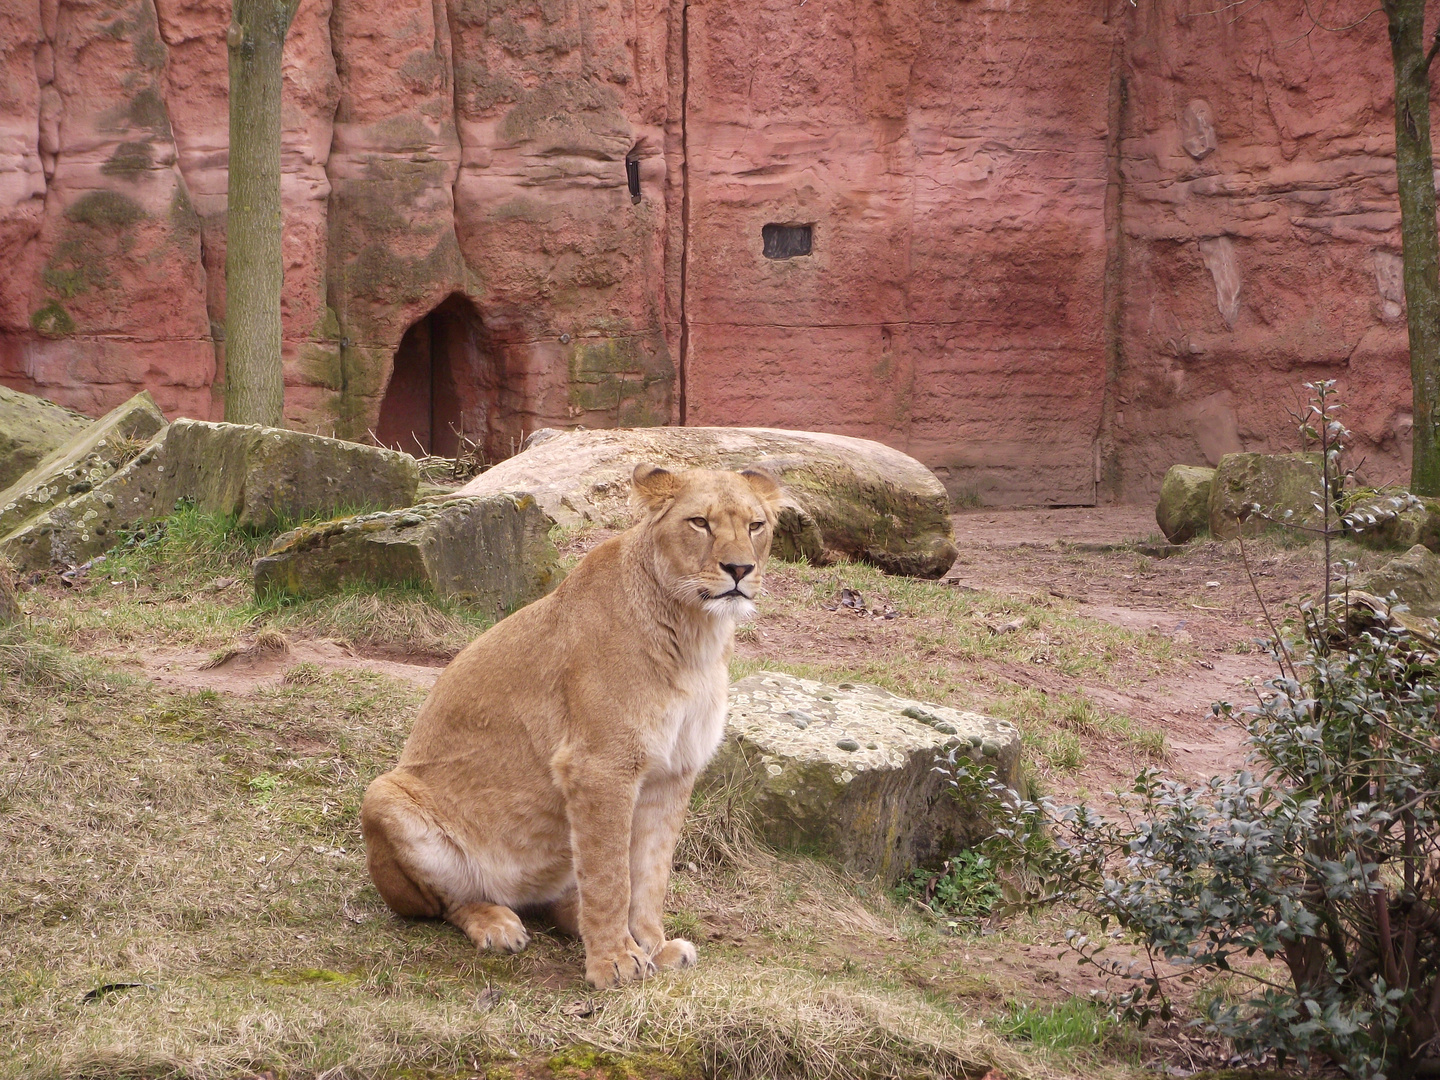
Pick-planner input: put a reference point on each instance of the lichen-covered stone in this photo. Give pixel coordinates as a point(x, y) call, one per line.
point(846, 497)
point(848, 770)
point(260, 475)
point(81, 462)
point(1413, 579)
point(1184, 507)
point(1286, 487)
point(31, 428)
point(495, 552)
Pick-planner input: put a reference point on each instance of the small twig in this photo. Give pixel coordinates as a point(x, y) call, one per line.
point(1281, 652)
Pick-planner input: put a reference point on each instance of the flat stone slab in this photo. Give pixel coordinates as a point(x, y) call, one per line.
point(494, 552)
point(849, 770)
point(87, 458)
point(845, 496)
point(31, 428)
point(260, 475)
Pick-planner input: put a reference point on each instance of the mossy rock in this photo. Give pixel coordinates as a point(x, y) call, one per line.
point(848, 771)
point(262, 476)
point(1183, 511)
point(1413, 579)
point(1389, 520)
point(493, 552)
point(1285, 487)
point(87, 458)
point(30, 429)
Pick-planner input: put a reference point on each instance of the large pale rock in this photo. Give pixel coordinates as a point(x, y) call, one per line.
point(30, 429)
point(867, 501)
point(81, 462)
point(849, 770)
point(1184, 507)
point(260, 475)
point(494, 552)
point(1413, 579)
point(1286, 487)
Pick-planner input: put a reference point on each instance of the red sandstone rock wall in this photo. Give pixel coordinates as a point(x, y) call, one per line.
point(1260, 242)
point(1056, 246)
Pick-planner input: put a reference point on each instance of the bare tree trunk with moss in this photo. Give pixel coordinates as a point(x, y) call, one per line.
point(254, 272)
point(1420, 246)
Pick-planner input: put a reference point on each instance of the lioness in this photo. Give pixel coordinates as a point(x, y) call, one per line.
point(551, 766)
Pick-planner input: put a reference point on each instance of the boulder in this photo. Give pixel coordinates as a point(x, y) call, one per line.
point(1285, 486)
point(1184, 507)
point(30, 428)
point(494, 551)
point(849, 771)
point(1413, 579)
point(1388, 520)
point(847, 497)
point(260, 475)
point(81, 462)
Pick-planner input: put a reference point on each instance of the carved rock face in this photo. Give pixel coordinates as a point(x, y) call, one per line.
point(1001, 275)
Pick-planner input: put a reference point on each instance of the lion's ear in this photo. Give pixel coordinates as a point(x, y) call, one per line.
point(763, 484)
point(652, 486)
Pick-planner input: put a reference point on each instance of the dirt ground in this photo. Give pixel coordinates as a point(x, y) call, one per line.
point(1199, 597)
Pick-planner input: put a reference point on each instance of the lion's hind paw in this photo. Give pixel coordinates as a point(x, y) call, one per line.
point(675, 953)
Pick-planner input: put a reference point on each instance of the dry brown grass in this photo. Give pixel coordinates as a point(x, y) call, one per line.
point(205, 848)
point(395, 618)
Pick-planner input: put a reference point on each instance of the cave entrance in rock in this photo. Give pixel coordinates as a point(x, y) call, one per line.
point(445, 384)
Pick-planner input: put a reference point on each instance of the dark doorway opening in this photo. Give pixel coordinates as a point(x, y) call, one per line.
point(446, 385)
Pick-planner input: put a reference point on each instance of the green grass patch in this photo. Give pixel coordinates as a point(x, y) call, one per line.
point(1072, 1026)
point(964, 888)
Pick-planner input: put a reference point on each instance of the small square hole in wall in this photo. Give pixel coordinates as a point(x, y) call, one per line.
point(786, 241)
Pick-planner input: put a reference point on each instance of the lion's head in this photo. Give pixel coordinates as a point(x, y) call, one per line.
point(711, 533)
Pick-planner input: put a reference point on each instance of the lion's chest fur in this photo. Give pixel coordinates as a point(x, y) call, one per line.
point(690, 728)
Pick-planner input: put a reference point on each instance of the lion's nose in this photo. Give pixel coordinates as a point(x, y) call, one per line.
point(737, 570)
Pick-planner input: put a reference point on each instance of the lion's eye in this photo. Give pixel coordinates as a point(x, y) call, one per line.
point(756, 526)
point(699, 523)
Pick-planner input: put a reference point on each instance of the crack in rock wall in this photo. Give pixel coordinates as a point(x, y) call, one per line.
point(951, 160)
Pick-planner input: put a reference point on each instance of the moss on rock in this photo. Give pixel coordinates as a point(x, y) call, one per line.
point(52, 320)
point(105, 209)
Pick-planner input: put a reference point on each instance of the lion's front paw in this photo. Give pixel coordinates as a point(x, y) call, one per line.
point(613, 967)
point(491, 926)
point(675, 953)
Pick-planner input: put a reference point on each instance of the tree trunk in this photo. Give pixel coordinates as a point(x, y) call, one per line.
point(254, 273)
point(1415, 174)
